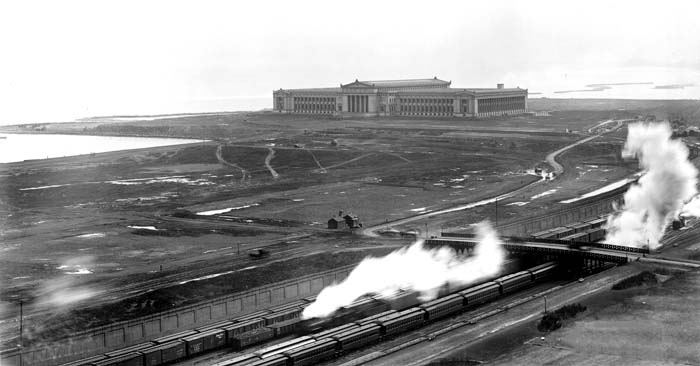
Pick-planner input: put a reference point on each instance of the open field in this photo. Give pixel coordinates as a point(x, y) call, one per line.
point(107, 223)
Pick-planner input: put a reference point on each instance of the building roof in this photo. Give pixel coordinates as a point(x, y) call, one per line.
point(313, 90)
point(405, 83)
point(459, 90)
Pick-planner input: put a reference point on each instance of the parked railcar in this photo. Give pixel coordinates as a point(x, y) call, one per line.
point(283, 315)
point(249, 338)
point(597, 234)
point(442, 307)
point(128, 359)
point(276, 360)
point(235, 329)
point(364, 307)
point(152, 356)
point(543, 271)
point(580, 227)
point(285, 328)
point(217, 325)
point(172, 351)
point(238, 361)
point(580, 237)
point(481, 294)
point(403, 321)
point(371, 319)
point(403, 299)
point(86, 361)
point(130, 349)
point(175, 336)
point(279, 348)
point(599, 222)
point(255, 315)
point(205, 341)
point(358, 337)
point(333, 331)
point(313, 353)
point(514, 282)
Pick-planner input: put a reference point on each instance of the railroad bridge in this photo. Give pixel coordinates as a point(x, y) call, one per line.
point(593, 254)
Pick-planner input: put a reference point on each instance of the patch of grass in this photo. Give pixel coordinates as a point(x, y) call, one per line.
point(640, 279)
point(553, 321)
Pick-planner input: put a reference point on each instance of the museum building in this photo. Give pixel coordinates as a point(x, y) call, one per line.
point(411, 98)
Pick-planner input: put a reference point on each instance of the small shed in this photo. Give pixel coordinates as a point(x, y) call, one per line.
point(352, 221)
point(334, 223)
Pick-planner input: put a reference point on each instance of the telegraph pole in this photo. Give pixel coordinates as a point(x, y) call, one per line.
point(496, 212)
point(21, 340)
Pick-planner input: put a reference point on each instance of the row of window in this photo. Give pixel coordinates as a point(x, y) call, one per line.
point(425, 108)
point(425, 100)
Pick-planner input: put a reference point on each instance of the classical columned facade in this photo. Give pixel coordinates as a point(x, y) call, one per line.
point(410, 98)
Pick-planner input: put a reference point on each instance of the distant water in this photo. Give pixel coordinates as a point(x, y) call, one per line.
point(19, 147)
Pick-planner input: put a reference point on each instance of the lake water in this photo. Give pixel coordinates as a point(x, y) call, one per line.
point(18, 147)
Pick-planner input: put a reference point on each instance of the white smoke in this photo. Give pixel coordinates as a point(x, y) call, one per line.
point(669, 181)
point(413, 268)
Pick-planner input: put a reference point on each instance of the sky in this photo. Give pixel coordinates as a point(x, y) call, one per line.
point(63, 60)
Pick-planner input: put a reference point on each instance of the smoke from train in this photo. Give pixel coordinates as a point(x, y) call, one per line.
point(414, 268)
point(668, 182)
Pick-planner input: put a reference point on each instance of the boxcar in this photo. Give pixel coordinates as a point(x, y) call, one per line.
point(284, 328)
point(580, 227)
point(129, 359)
point(130, 349)
point(252, 337)
point(283, 315)
point(481, 293)
point(85, 361)
point(313, 353)
point(238, 328)
point(599, 222)
point(358, 337)
point(294, 304)
point(405, 320)
point(442, 307)
point(255, 315)
point(175, 336)
point(581, 236)
point(205, 341)
point(596, 234)
point(217, 325)
point(152, 356)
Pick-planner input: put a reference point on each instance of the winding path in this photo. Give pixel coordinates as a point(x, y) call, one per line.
point(320, 169)
point(268, 158)
point(221, 160)
point(344, 163)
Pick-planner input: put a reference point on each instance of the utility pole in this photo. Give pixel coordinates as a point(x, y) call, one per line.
point(545, 304)
point(496, 212)
point(21, 340)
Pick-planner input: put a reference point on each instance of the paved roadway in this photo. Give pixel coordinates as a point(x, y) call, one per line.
point(551, 160)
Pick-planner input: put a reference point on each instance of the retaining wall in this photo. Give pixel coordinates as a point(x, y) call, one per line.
point(600, 206)
point(117, 335)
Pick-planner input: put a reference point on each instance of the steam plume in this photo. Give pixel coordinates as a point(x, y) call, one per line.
point(668, 183)
point(413, 268)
